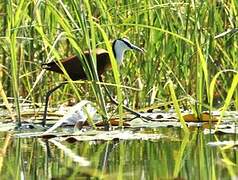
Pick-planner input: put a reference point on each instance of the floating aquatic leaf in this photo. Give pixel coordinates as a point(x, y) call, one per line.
point(153, 124)
point(204, 117)
point(112, 135)
point(113, 122)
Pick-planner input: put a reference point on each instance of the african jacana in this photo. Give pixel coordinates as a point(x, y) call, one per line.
point(74, 67)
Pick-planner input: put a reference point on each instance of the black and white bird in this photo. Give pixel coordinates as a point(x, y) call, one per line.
point(73, 65)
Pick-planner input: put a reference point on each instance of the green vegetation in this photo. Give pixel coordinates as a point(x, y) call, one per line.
point(190, 60)
point(180, 39)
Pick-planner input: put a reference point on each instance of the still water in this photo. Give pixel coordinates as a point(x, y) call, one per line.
point(173, 156)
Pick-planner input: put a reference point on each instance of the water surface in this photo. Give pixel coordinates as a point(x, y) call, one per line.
point(174, 155)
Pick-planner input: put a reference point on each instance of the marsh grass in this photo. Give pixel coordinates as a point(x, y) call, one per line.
point(179, 39)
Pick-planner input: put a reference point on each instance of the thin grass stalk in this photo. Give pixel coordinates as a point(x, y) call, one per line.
point(121, 161)
point(203, 73)
point(229, 165)
point(31, 52)
point(101, 158)
point(213, 169)
point(5, 100)
point(3, 50)
point(14, 22)
point(228, 99)
point(65, 25)
point(15, 82)
point(91, 72)
point(47, 43)
point(180, 159)
point(176, 106)
point(18, 158)
point(202, 159)
point(199, 88)
point(115, 72)
point(213, 85)
point(97, 87)
point(159, 30)
point(236, 100)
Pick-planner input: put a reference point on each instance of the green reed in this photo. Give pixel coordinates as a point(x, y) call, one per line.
point(14, 20)
point(179, 39)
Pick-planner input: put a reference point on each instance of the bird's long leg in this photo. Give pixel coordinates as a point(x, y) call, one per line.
point(47, 100)
point(125, 107)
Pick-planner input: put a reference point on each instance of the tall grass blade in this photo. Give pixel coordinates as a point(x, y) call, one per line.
point(176, 106)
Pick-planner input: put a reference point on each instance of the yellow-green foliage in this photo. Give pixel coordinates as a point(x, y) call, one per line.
point(183, 42)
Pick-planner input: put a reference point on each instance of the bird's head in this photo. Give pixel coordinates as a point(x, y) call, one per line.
point(120, 46)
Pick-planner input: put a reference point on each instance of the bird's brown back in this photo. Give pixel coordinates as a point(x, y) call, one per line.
point(74, 65)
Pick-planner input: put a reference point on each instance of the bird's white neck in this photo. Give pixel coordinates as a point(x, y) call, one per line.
point(119, 49)
point(119, 55)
